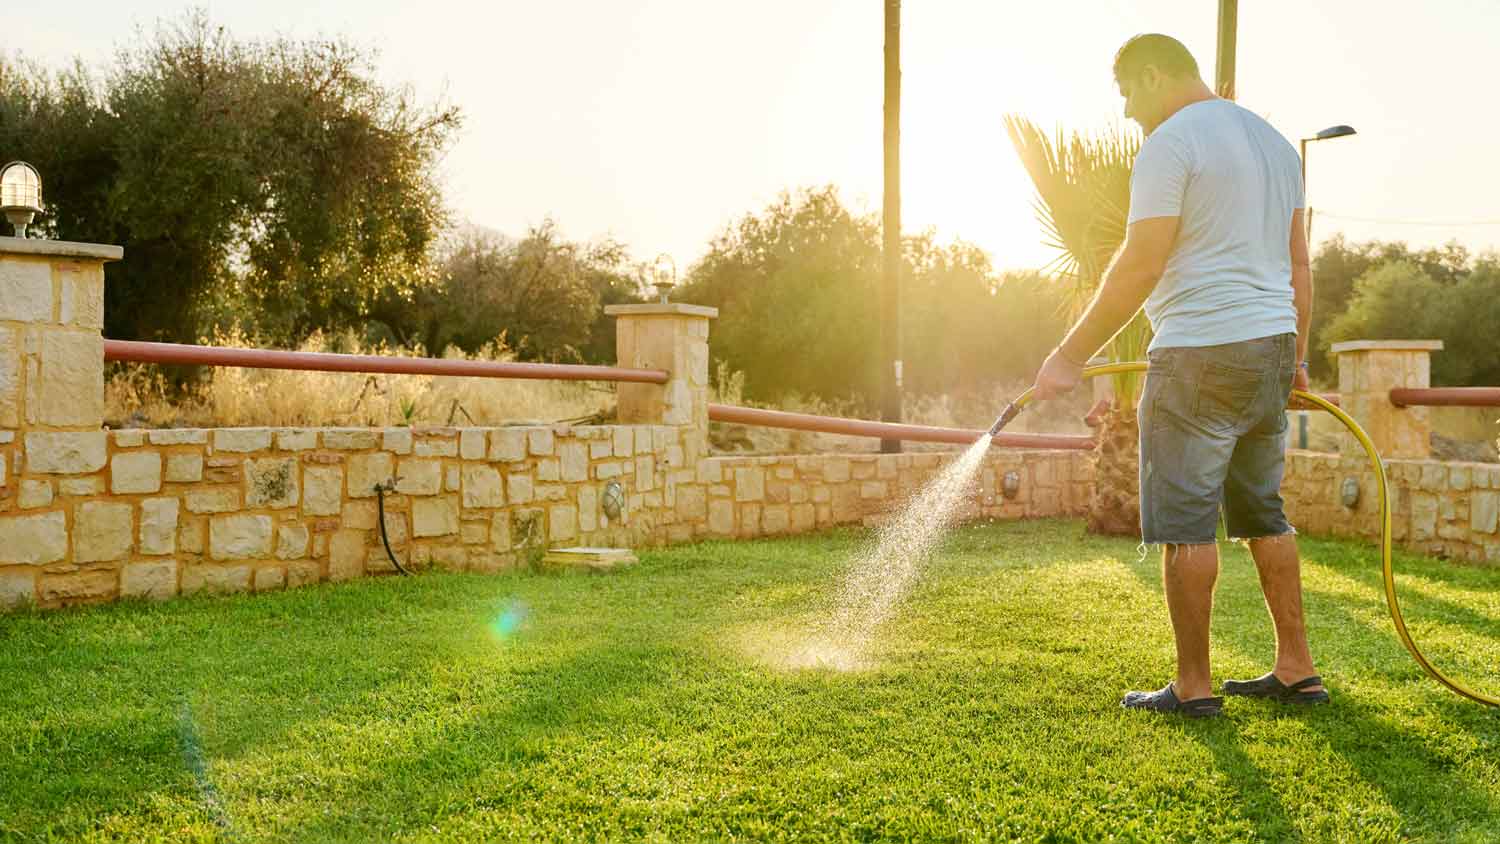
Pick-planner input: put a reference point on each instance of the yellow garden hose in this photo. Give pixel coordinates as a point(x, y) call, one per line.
point(1385, 524)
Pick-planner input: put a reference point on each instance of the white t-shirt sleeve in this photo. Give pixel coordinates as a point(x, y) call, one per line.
point(1160, 178)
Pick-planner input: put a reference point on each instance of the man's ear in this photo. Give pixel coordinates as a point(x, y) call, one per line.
point(1151, 78)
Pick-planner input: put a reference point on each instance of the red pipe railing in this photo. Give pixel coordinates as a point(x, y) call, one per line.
point(1445, 396)
point(888, 430)
point(141, 352)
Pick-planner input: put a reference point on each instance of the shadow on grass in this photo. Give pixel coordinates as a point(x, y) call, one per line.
point(1414, 771)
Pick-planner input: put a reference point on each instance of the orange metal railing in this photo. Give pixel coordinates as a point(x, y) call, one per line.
point(1445, 396)
point(141, 352)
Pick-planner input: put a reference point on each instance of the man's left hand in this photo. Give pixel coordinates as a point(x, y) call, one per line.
point(1058, 376)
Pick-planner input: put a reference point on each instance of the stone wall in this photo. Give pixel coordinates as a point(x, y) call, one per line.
point(1446, 509)
point(159, 513)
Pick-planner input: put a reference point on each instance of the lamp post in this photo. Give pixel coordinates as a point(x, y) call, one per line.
point(664, 275)
point(1331, 132)
point(20, 194)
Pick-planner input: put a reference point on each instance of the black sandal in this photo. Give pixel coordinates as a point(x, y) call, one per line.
point(1165, 700)
point(1271, 688)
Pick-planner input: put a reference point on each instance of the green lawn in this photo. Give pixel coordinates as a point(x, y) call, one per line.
point(646, 704)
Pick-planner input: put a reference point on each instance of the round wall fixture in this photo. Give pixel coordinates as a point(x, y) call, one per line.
point(614, 499)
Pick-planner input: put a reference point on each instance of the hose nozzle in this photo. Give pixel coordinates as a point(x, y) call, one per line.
point(1010, 412)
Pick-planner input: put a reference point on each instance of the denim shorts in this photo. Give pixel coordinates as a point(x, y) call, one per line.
point(1213, 430)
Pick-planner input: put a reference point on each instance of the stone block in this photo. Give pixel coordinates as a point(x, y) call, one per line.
point(588, 509)
point(240, 537)
point(42, 538)
point(159, 526)
point(872, 490)
point(367, 470)
point(482, 487)
point(242, 440)
point(65, 452)
point(710, 471)
point(721, 517)
point(349, 439)
point(135, 472)
point(184, 468)
point(642, 439)
point(442, 447)
point(471, 443)
point(291, 541)
point(804, 517)
point(416, 476)
point(1483, 511)
point(102, 530)
point(362, 515)
point(346, 555)
point(645, 472)
point(475, 533)
point(397, 440)
point(600, 449)
point(836, 470)
point(270, 579)
point(303, 573)
point(81, 300)
point(216, 580)
point(609, 469)
point(17, 588)
point(178, 436)
point(539, 441)
point(776, 518)
point(33, 493)
point(132, 438)
point(212, 500)
point(450, 478)
point(624, 441)
point(500, 537)
point(70, 587)
point(26, 290)
point(192, 537)
point(156, 580)
point(297, 439)
point(575, 461)
point(548, 469)
point(519, 488)
point(1424, 512)
point(562, 522)
point(10, 377)
point(507, 444)
point(749, 483)
point(323, 490)
point(434, 517)
point(692, 503)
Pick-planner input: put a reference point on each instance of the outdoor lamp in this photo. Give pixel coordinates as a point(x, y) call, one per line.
point(664, 275)
point(20, 194)
point(1338, 131)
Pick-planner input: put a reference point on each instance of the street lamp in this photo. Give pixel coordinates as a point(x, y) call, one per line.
point(1338, 131)
point(20, 194)
point(664, 275)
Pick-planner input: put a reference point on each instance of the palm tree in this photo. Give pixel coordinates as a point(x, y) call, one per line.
point(1083, 201)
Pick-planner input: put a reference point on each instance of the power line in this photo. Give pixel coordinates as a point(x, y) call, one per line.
point(1449, 224)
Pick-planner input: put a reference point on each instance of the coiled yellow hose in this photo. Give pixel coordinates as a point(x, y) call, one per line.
point(1389, 574)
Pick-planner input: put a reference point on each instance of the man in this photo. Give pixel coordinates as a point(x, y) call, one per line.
point(1216, 251)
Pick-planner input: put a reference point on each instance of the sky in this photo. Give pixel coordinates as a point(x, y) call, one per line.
point(660, 122)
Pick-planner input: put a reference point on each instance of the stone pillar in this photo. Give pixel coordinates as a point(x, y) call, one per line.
point(1368, 370)
point(51, 394)
point(673, 337)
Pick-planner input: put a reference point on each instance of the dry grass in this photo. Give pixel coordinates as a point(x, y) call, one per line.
point(137, 395)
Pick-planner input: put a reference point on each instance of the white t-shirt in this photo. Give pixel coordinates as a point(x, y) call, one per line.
point(1233, 181)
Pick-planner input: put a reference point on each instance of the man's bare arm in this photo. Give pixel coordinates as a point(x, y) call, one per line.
point(1127, 283)
point(1302, 283)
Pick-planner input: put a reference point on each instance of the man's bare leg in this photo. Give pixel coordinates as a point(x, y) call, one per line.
point(1280, 572)
point(1188, 574)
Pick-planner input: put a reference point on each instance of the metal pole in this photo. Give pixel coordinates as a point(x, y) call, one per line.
point(890, 313)
point(1224, 68)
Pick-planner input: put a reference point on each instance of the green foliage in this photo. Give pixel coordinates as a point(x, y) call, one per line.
point(1402, 299)
point(271, 186)
point(652, 704)
point(1083, 202)
point(545, 293)
point(1338, 265)
point(798, 291)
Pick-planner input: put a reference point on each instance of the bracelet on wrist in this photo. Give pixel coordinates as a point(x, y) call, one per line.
point(1062, 353)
